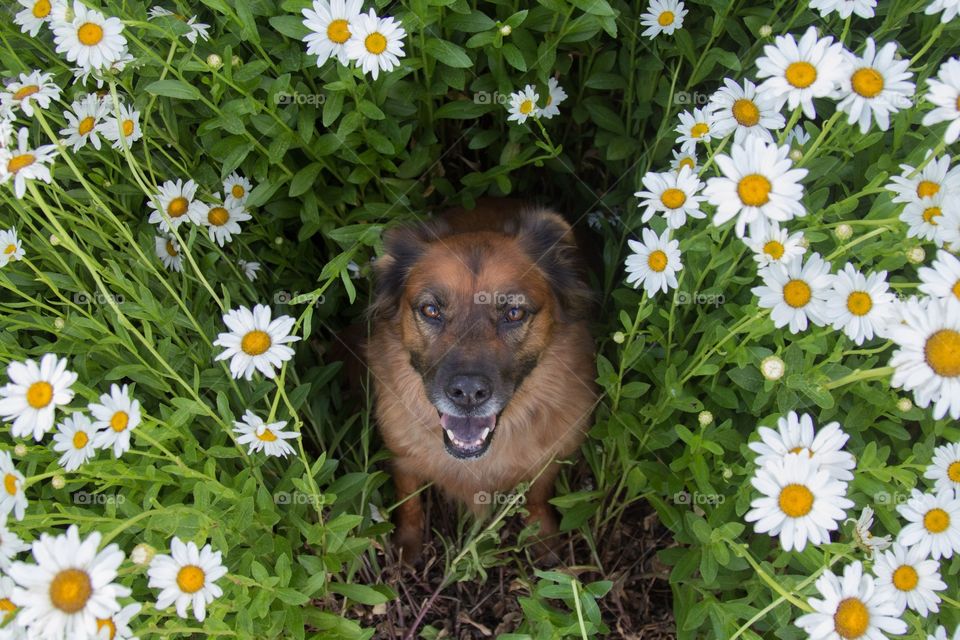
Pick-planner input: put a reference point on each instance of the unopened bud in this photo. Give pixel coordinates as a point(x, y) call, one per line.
point(773, 367)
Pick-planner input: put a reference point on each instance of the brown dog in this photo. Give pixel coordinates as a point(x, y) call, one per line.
point(482, 363)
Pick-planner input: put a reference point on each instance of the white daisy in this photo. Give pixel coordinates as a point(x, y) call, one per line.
point(797, 136)
point(74, 439)
point(168, 250)
point(798, 72)
point(249, 269)
point(329, 24)
point(795, 434)
point(861, 306)
point(654, 263)
point(910, 578)
point(23, 163)
point(796, 292)
point(555, 95)
point(662, 16)
point(948, 228)
point(84, 122)
point(800, 501)
point(116, 416)
point(10, 545)
point(683, 159)
point(861, 533)
point(12, 498)
point(933, 523)
point(117, 626)
point(744, 112)
point(935, 177)
point(776, 245)
point(924, 216)
point(694, 127)
point(874, 86)
point(6, 129)
point(268, 438)
point(945, 95)
point(34, 15)
point(223, 220)
point(676, 195)
point(197, 30)
point(69, 588)
point(174, 204)
point(186, 577)
point(523, 105)
point(237, 188)
point(950, 9)
point(33, 393)
point(758, 186)
point(376, 44)
point(122, 129)
point(944, 469)
point(33, 90)
point(11, 248)
point(90, 39)
point(254, 342)
point(940, 280)
point(845, 8)
point(851, 607)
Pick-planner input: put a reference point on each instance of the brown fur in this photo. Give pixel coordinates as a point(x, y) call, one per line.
point(496, 247)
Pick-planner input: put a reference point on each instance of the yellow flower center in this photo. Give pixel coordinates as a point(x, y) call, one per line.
point(19, 162)
point(796, 500)
point(699, 130)
point(267, 435)
point(106, 623)
point(237, 191)
point(905, 578)
point(687, 162)
point(119, 421)
point(375, 43)
point(859, 303)
point(177, 207)
point(338, 31)
point(851, 619)
point(26, 91)
point(10, 249)
point(942, 353)
point(7, 605)
point(70, 590)
point(218, 216)
point(171, 250)
point(127, 128)
point(255, 342)
point(953, 471)
point(745, 112)
point(85, 126)
point(955, 289)
point(657, 260)
point(41, 9)
point(774, 249)
point(666, 18)
point(936, 520)
point(867, 82)
point(673, 198)
point(90, 34)
point(801, 74)
point(796, 293)
point(526, 107)
point(927, 188)
point(930, 213)
point(754, 190)
point(80, 440)
point(39, 394)
point(801, 450)
point(190, 578)
point(10, 484)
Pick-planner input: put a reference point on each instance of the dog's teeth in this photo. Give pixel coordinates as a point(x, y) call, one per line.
point(483, 436)
point(451, 436)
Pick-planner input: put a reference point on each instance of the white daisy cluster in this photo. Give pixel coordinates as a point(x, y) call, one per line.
point(523, 104)
point(931, 200)
point(339, 29)
point(196, 30)
point(803, 476)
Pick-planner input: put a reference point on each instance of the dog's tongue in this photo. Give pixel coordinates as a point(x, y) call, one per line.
point(468, 429)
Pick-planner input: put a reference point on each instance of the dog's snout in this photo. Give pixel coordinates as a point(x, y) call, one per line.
point(469, 391)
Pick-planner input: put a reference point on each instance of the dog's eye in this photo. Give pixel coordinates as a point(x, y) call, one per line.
point(430, 311)
point(515, 314)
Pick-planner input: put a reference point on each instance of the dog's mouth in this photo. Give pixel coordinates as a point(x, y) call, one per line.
point(467, 437)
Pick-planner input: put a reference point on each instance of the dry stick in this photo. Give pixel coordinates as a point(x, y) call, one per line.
point(412, 633)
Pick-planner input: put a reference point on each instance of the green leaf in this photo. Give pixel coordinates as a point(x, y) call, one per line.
point(304, 179)
point(448, 53)
point(171, 88)
point(361, 593)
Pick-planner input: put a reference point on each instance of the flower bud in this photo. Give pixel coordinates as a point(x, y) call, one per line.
point(773, 367)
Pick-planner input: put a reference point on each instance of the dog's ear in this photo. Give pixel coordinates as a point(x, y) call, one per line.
point(403, 246)
point(548, 239)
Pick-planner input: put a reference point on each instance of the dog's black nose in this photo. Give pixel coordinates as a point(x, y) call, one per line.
point(468, 391)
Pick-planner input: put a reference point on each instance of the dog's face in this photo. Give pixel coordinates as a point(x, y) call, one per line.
point(475, 311)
